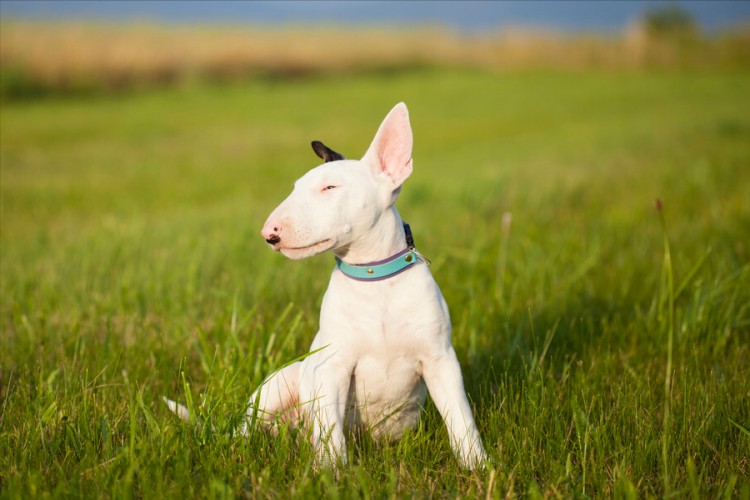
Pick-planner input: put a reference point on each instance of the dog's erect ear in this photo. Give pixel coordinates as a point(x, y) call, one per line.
point(325, 152)
point(390, 151)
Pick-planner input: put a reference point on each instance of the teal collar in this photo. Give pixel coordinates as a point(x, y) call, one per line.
point(384, 269)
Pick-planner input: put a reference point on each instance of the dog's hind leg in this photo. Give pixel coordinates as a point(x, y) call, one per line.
point(277, 396)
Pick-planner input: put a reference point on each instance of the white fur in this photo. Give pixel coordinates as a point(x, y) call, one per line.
point(383, 341)
point(380, 343)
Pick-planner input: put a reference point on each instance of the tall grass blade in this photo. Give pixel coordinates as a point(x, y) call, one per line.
point(667, 275)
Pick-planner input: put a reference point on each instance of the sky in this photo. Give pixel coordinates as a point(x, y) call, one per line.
point(467, 16)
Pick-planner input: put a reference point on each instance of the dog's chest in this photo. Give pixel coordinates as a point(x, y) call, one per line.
point(385, 330)
point(386, 395)
point(399, 317)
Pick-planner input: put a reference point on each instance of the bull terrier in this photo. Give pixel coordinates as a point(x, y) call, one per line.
point(385, 332)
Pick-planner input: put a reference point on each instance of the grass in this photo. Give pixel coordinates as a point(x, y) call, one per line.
point(58, 58)
point(604, 344)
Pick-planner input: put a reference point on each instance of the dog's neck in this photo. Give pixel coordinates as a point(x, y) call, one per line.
point(386, 238)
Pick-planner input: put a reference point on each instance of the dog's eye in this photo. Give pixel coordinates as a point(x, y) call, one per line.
point(328, 188)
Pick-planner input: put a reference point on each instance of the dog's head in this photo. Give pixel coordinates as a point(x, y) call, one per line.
point(335, 203)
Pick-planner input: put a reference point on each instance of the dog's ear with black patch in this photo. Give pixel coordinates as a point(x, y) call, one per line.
point(325, 152)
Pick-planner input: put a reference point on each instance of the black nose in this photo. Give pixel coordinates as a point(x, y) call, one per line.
point(273, 239)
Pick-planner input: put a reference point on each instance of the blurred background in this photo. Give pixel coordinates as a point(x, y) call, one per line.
point(51, 47)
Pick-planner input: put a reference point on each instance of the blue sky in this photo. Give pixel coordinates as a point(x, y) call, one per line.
point(469, 16)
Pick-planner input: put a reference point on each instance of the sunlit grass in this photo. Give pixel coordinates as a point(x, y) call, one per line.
point(131, 257)
point(53, 58)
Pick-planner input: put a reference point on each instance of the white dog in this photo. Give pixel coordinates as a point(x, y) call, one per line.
point(385, 332)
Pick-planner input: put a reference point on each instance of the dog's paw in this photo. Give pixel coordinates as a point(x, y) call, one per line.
point(478, 461)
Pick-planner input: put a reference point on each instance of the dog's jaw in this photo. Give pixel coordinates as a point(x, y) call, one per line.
point(297, 253)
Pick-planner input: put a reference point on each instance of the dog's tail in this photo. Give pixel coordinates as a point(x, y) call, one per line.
point(184, 414)
point(180, 410)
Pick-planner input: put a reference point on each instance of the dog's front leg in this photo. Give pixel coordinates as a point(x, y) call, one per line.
point(326, 390)
point(442, 375)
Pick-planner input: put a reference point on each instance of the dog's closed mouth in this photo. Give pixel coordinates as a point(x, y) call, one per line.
point(308, 247)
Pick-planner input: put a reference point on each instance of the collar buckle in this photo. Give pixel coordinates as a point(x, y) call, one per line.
point(384, 269)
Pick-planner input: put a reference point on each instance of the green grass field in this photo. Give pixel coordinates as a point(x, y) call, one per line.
point(600, 358)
